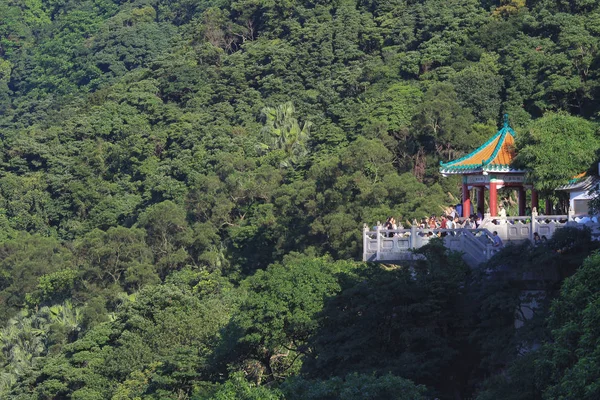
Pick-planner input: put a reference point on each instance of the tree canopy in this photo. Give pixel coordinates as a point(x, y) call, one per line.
point(183, 186)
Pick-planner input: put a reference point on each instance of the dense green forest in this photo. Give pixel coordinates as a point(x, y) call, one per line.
point(183, 185)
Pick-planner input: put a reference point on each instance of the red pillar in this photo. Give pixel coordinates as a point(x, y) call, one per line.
point(522, 200)
point(493, 199)
point(466, 201)
point(481, 199)
point(534, 200)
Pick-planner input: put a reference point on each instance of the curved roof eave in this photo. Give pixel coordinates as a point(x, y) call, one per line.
point(453, 167)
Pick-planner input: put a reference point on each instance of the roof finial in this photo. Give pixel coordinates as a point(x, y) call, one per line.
point(506, 125)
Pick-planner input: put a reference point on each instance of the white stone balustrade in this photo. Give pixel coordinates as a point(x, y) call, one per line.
point(383, 245)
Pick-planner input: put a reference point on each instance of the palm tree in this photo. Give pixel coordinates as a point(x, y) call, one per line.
point(283, 132)
point(7, 381)
point(66, 315)
point(22, 340)
point(25, 338)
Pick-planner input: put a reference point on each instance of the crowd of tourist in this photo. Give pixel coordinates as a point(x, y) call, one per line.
point(451, 220)
point(435, 225)
point(444, 224)
point(448, 220)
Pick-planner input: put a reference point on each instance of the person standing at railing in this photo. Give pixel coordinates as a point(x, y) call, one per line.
point(432, 223)
point(470, 223)
point(450, 222)
point(457, 223)
point(398, 223)
point(478, 220)
point(389, 224)
point(501, 211)
point(497, 240)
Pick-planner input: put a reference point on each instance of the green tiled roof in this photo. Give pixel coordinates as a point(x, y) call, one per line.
point(495, 155)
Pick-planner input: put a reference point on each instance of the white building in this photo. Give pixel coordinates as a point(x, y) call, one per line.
point(581, 189)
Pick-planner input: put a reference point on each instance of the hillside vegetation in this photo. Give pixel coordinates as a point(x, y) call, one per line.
point(183, 185)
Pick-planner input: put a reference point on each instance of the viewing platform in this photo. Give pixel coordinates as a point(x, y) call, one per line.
point(477, 245)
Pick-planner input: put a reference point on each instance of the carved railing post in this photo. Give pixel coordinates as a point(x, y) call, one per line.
point(534, 222)
point(571, 216)
point(365, 241)
point(378, 240)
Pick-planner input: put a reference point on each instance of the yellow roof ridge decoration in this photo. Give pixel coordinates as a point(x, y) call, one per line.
point(578, 176)
point(495, 155)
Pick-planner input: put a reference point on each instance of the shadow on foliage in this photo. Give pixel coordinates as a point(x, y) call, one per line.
point(407, 321)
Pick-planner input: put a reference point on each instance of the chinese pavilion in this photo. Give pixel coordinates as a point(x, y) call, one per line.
point(490, 167)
